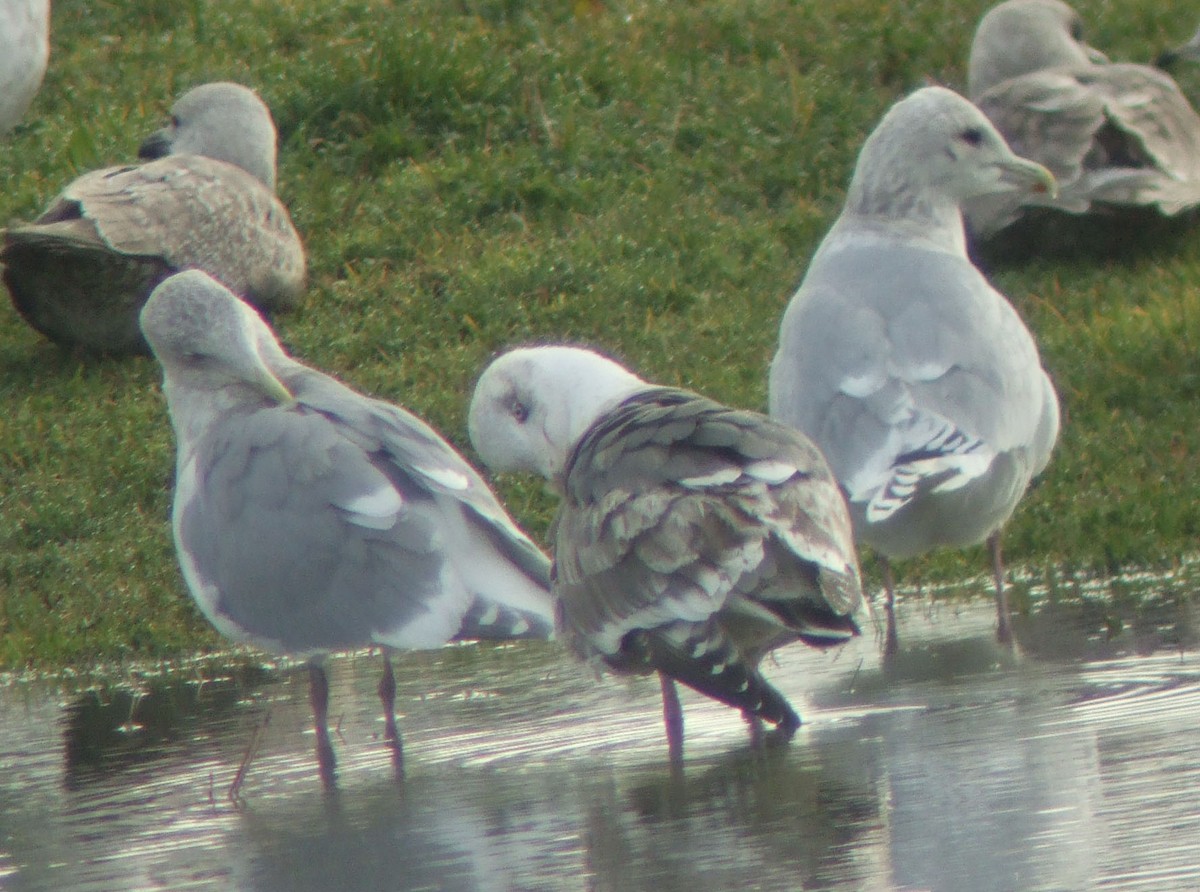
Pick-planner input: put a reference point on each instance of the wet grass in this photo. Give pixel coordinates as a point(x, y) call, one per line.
point(647, 177)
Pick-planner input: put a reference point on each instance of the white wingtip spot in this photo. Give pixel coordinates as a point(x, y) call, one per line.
point(520, 627)
point(447, 477)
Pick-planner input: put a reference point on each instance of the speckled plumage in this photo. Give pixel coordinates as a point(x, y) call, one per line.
point(1113, 134)
point(81, 272)
point(691, 539)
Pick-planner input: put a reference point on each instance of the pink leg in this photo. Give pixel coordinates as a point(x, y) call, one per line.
point(673, 719)
point(891, 641)
point(318, 691)
point(387, 697)
point(1003, 617)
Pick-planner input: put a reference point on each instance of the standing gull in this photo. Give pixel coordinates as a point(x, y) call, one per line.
point(24, 52)
point(309, 518)
point(914, 376)
point(1114, 135)
point(206, 200)
point(691, 538)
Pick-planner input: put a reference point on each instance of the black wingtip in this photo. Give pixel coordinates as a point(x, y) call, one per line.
point(707, 661)
point(489, 621)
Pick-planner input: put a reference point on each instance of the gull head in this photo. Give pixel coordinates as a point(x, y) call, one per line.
point(934, 150)
point(223, 121)
point(532, 405)
point(1021, 36)
point(208, 339)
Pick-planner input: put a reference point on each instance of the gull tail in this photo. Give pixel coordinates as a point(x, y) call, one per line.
point(702, 656)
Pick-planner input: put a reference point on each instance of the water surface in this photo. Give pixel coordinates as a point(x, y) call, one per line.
point(957, 767)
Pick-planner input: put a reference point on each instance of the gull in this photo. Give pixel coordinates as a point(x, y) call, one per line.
point(1114, 135)
point(691, 538)
point(24, 52)
point(309, 518)
point(913, 375)
point(203, 199)
point(1187, 52)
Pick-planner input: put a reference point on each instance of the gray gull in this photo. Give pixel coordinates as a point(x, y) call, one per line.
point(914, 376)
point(309, 518)
point(1114, 135)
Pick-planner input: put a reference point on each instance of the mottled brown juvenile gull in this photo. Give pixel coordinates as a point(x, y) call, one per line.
point(24, 52)
point(81, 272)
point(1114, 135)
point(691, 538)
point(918, 380)
point(309, 518)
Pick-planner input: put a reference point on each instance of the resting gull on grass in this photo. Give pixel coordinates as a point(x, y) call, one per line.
point(81, 272)
point(24, 51)
point(918, 380)
point(1114, 135)
point(309, 518)
point(691, 538)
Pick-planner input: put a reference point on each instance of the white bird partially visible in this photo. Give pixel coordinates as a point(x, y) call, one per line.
point(691, 538)
point(1114, 135)
point(913, 375)
point(24, 53)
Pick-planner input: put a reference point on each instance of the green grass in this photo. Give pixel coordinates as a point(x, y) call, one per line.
point(647, 177)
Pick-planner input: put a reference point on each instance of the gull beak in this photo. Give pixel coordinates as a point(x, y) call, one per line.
point(1095, 55)
point(272, 387)
point(1021, 173)
point(156, 145)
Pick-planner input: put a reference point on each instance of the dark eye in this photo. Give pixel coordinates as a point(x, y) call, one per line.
point(972, 136)
point(1077, 30)
point(175, 121)
point(518, 410)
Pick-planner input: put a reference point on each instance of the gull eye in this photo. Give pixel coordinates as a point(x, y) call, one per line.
point(518, 410)
point(972, 136)
point(1077, 30)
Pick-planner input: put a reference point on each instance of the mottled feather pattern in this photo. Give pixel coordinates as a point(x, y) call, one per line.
point(636, 547)
point(703, 657)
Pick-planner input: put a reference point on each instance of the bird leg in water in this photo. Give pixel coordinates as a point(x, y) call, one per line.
point(672, 719)
point(387, 697)
point(318, 691)
point(891, 641)
point(1003, 620)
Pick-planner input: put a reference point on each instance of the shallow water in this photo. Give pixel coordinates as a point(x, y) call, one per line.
point(956, 767)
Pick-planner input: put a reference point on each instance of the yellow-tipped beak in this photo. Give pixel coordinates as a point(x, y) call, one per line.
point(275, 389)
point(1022, 171)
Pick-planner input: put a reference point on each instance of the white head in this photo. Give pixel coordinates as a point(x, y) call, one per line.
point(1021, 36)
point(932, 151)
point(209, 341)
point(532, 405)
point(223, 121)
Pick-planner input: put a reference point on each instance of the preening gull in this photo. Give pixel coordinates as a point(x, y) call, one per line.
point(691, 538)
point(81, 272)
point(309, 518)
point(918, 380)
point(1114, 135)
point(24, 52)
